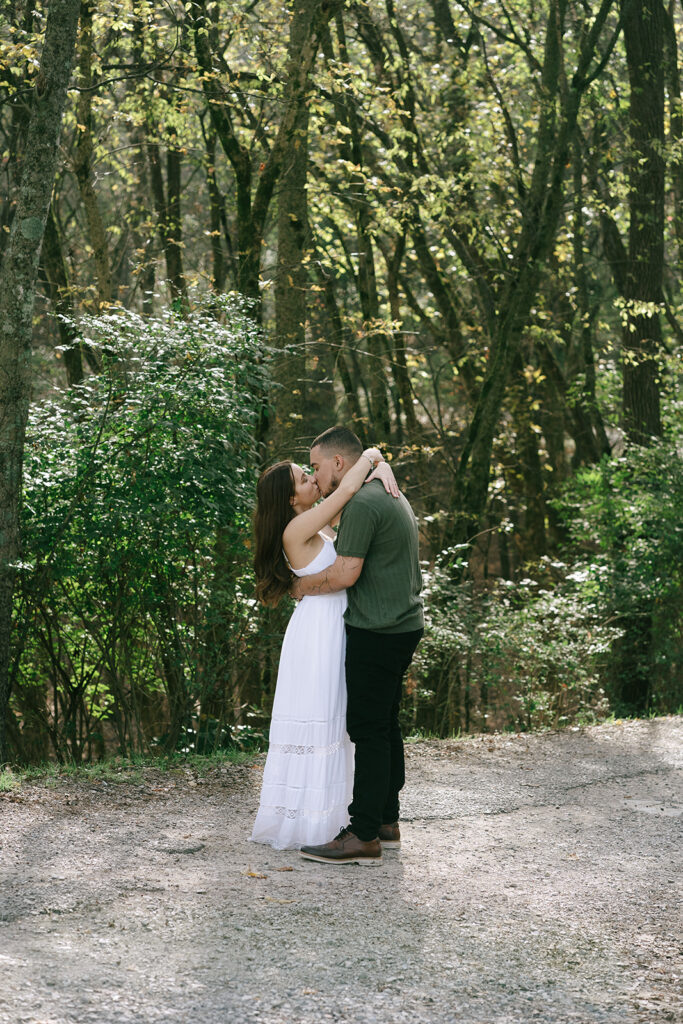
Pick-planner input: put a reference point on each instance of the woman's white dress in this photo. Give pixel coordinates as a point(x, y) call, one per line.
point(308, 776)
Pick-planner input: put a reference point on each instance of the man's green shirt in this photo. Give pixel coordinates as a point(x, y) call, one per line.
point(383, 531)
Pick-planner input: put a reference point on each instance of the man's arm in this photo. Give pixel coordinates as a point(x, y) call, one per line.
point(343, 573)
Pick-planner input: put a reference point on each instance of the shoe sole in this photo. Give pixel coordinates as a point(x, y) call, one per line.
point(341, 860)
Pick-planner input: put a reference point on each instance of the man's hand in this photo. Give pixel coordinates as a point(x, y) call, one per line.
point(343, 573)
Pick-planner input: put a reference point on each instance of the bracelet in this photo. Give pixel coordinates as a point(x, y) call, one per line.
point(371, 461)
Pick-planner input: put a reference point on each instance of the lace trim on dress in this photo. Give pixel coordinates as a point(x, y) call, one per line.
point(298, 748)
point(301, 812)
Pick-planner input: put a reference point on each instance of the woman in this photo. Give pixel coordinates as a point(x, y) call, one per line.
point(308, 777)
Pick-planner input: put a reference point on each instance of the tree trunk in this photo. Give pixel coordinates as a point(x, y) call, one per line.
point(18, 275)
point(374, 340)
point(338, 340)
point(167, 205)
point(591, 439)
point(83, 160)
point(399, 366)
point(60, 296)
point(173, 661)
point(293, 237)
point(216, 214)
point(15, 137)
point(642, 333)
point(174, 225)
point(673, 80)
point(533, 537)
point(142, 226)
point(142, 220)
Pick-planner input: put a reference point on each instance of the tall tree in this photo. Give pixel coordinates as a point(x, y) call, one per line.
point(18, 274)
point(293, 237)
point(84, 154)
point(642, 334)
point(256, 174)
point(561, 94)
point(644, 37)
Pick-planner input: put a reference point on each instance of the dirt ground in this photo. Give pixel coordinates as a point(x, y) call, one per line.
point(539, 881)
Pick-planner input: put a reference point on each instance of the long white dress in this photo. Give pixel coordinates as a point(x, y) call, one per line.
point(308, 776)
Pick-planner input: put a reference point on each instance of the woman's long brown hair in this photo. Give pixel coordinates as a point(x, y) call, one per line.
point(274, 492)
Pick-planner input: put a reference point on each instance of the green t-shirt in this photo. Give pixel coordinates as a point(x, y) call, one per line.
point(383, 531)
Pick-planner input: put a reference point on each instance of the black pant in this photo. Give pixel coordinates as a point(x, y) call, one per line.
point(375, 665)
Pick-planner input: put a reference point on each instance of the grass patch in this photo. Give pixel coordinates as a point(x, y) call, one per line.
point(418, 735)
point(130, 770)
point(8, 781)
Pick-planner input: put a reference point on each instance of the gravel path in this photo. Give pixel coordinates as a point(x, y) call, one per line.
point(539, 881)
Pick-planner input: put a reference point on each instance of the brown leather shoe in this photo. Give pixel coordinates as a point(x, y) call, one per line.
point(346, 848)
point(390, 836)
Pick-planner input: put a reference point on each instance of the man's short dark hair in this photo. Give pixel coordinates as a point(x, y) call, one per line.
point(339, 441)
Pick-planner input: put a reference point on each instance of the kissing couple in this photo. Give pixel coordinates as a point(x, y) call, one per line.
point(335, 762)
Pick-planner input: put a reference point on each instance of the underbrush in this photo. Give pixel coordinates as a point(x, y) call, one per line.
point(595, 630)
point(510, 656)
point(121, 769)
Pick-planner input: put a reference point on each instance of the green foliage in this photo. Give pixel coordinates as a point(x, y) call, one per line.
point(629, 511)
point(138, 492)
point(425, 125)
point(520, 656)
point(8, 781)
point(601, 634)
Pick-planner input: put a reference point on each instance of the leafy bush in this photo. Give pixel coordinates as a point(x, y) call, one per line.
point(138, 492)
point(629, 512)
point(510, 655)
point(601, 631)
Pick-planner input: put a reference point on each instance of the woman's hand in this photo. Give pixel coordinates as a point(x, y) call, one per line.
point(384, 472)
point(373, 455)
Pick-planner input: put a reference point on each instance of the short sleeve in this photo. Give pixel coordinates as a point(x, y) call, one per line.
point(356, 529)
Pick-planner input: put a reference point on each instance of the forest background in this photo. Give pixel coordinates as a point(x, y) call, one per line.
point(224, 226)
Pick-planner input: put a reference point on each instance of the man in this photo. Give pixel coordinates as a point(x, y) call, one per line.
point(377, 561)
